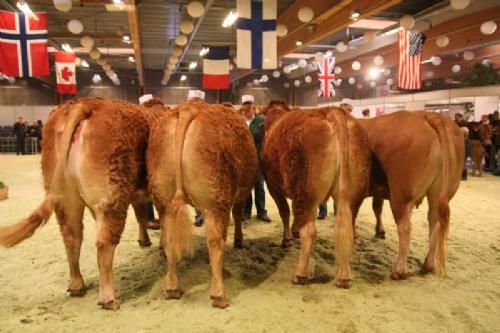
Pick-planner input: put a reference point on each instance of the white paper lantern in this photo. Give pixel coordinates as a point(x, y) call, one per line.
point(352, 80)
point(338, 82)
point(181, 40)
point(96, 78)
point(436, 61)
point(378, 60)
point(249, 84)
point(341, 47)
point(173, 59)
point(390, 81)
point(429, 74)
point(329, 53)
point(387, 71)
point(75, 27)
point(359, 86)
point(170, 66)
point(373, 84)
point(256, 82)
point(264, 78)
point(442, 41)
point(101, 61)
point(163, 82)
point(459, 4)
point(281, 30)
point(305, 14)
point(486, 62)
point(95, 54)
point(286, 85)
point(337, 70)
point(318, 56)
point(468, 55)
point(177, 51)
point(276, 74)
point(296, 83)
point(87, 41)
point(407, 22)
point(302, 63)
point(186, 27)
point(455, 68)
point(488, 27)
point(286, 69)
point(308, 79)
point(369, 36)
point(195, 9)
point(63, 5)
point(106, 67)
point(356, 65)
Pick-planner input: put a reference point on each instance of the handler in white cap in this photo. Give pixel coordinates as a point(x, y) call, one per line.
point(144, 98)
point(255, 124)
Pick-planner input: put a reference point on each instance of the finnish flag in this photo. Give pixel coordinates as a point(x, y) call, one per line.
point(256, 35)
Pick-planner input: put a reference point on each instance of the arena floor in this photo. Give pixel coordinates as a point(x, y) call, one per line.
point(33, 276)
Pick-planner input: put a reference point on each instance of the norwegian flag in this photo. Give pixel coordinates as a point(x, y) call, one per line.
point(326, 77)
point(410, 56)
point(65, 73)
point(23, 44)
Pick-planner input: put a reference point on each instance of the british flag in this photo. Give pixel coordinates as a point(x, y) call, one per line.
point(326, 77)
point(23, 44)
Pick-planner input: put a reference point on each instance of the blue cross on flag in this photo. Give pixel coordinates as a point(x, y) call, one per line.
point(256, 35)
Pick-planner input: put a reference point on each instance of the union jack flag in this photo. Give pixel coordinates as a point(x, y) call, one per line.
point(326, 77)
point(23, 44)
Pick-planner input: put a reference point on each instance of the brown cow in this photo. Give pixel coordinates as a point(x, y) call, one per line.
point(478, 154)
point(203, 155)
point(416, 155)
point(93, 156)
point(309, 156)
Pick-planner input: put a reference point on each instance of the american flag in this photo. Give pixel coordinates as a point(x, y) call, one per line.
point(410, 55)
point(326, 77)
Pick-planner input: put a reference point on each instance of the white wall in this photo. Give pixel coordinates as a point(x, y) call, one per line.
point(30, 113)
point(484, 105)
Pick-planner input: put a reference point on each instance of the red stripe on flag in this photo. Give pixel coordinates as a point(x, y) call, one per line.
point(216, 81)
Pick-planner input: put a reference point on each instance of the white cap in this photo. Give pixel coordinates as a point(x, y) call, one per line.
point(196, 94)
point(144, 98)
point(247, 99)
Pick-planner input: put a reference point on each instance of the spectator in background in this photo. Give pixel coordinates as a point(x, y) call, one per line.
point(19, 132)
point(485, 133)
point(366, 113)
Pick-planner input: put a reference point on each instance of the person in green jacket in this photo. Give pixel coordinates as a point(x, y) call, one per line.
point(255, 124)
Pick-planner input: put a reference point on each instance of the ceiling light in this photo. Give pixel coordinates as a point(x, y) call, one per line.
point(183, 77)
point(193, 65)
point(230, 19)
point(299, 43)
point(204, 51)
point(67, 48)
point(118, 2)
point(131, 59)
point(373, 73)
point(355, 14)
point(84, 64)
point(25, 8)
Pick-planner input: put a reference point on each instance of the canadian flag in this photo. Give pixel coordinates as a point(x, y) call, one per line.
point(65, 72)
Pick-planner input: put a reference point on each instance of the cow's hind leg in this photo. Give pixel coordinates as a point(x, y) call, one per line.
point(216, 226)
point(69, 216)
point(109, 230)
point(377, 206)
point(402, 215)
point(344, 238)
point(284, 211)
point(238, 219)
point(140, 209)
point(304, 219)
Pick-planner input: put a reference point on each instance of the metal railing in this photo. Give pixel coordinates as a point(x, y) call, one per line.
point(8, 145)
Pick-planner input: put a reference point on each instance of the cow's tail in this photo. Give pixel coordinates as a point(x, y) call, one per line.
point(448, 155)
point(14, 234)
point(178, 234)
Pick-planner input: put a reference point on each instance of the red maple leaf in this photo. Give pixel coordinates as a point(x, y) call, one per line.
point(66, 74)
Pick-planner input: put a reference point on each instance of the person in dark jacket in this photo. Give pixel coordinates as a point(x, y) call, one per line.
point(255, 124)
point(19, 132)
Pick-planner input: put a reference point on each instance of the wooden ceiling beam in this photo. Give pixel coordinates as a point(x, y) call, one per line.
point(327, 23)
point(133, 22)
point(95, 36)
point(463, 32)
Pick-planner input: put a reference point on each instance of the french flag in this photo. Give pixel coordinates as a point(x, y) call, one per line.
point(257, 42)
point(216, 68)
point(23, 44)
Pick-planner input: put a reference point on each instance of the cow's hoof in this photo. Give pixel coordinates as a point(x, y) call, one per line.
point(399, 275)
point(296, 235)
point(173, 293)
point(238, 243)
point(285, 243)
point(343, 283)
point(77, 292)
point(110, 305)
point(380, 235)
point(144, 243)
point(426, 269)
point(300, 280)
point(220, 302)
